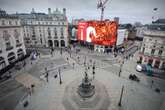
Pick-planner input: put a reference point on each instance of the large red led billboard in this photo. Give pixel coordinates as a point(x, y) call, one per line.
point(98, 32)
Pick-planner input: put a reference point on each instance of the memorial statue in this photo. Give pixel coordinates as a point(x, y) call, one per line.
point(86, 89)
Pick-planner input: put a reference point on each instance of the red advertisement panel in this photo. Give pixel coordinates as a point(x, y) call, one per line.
point(98, 32)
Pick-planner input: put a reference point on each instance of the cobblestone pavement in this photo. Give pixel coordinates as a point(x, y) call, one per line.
point(49, 95)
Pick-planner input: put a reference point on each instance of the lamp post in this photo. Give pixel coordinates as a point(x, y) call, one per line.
point(121, 95)
point(93, 70)
point(59, 71)
point(61, 50)
point(121, 65)
point(47, 75)
point(85, 61)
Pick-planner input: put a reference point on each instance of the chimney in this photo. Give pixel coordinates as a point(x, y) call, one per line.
point(32, 11)
point(64, 11)
point(49, 11)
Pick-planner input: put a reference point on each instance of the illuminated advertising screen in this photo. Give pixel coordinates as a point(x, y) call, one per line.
point(98, 32)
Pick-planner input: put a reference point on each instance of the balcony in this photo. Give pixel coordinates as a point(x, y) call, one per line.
point(33, 38)
point(49, 37)
point(18, 44)
point(62, 37)
point(9, 48)
point(55, 37)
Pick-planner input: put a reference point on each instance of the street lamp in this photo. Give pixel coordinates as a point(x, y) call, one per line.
point(61, 50)
point(121, 65)
point(59, 71)
point(93, 70)
point(85, 61)
point(121, 95)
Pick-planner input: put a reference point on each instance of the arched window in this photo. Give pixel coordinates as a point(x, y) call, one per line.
point(2, 63)
point(62, 43)
point(56, 43)
point(11, 57)
point(20, 53)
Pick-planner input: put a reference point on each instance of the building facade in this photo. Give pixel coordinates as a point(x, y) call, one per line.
point(11, 39)
point(153, 49)
point(45, 30)
point(140, 31)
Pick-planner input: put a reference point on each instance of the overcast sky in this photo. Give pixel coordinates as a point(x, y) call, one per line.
point(128, 10)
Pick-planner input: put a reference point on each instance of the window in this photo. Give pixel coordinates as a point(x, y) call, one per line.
point(55, 31)
point(16, 34)
point(41, 40)
point(3, 22)
point(16, 23)
point(10, 23)
point(17, 41)
point(152, 51)
point(160, 52)
point(6, 36)
point(62, 32)
point(49, 32)
point(8, 44)
point(143, 50)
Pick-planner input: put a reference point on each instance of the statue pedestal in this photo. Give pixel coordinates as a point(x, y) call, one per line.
point(86, 90)
point(86, 97)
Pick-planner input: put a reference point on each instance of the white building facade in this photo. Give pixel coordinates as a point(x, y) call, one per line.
point(11, 39)
point(140, 31)
point(153, 49)
point(45, 30)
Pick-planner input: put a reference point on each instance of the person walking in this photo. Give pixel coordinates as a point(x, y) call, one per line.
point(73, 65)
point(47, 75)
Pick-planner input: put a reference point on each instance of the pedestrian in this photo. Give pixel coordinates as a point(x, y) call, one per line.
point(152, 82)
point(47, 75)
point(29, 91)
point(84, 63)
point(24, 64)
point(73, 65)
point(132, 55)
point(32, 88)
point(39, 54)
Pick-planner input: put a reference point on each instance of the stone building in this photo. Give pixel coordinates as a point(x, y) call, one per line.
point(45, 30)
point(11, 39)
point(153, 46)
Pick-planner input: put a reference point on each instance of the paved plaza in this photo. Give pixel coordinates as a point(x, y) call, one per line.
point(49, 95)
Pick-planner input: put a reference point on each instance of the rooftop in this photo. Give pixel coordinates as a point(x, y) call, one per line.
point(155, 33)
point(3, 14)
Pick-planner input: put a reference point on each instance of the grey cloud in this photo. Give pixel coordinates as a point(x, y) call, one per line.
point(127, 10)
